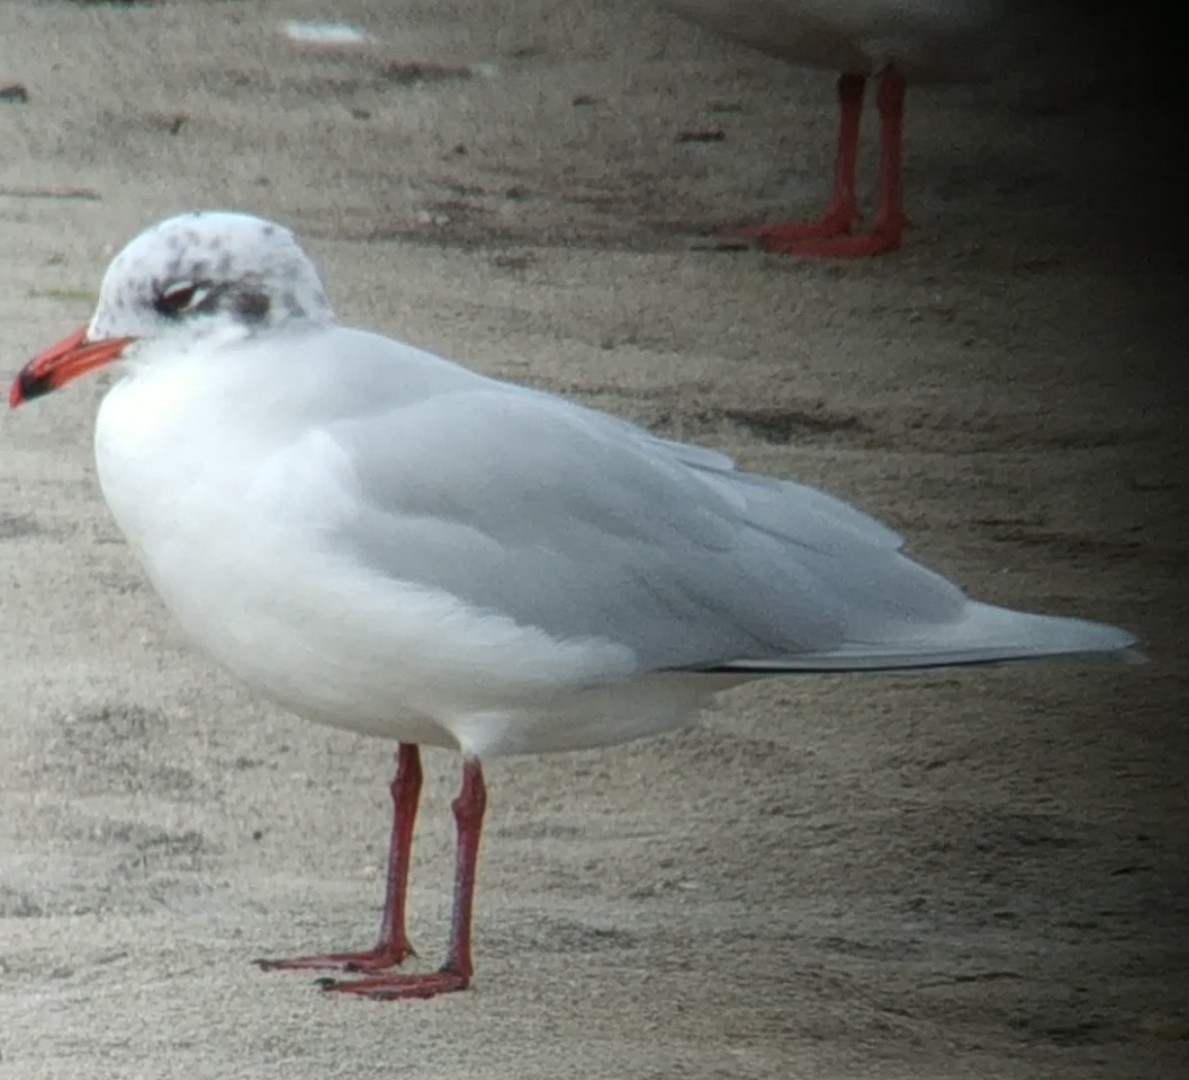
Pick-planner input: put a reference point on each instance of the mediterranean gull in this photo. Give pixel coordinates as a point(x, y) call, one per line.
point(381, 540)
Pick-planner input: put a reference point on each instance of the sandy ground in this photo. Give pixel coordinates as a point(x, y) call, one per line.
point(971, 874)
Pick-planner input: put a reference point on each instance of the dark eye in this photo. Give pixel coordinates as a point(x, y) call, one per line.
point(173, 299)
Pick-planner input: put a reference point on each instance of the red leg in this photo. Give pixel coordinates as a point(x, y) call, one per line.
point(890, 219)
point(455, 973)
point(843, 209)
point(393, 946)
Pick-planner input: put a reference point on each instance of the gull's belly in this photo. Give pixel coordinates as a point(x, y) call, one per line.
point(279, 626)
point(420, 668)
point(927, 39)
point(340, 645)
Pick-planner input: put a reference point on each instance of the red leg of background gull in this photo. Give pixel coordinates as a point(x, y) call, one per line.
point(843, 209)
point(393, 946)
point(455, 973)
point(890, 218)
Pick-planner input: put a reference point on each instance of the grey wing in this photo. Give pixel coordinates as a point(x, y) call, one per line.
point(588, 527)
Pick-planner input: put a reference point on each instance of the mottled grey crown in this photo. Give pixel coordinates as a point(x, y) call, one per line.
point(203, 264)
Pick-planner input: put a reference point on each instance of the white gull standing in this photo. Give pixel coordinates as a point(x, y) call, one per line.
point(383, 541)
point(898, 41)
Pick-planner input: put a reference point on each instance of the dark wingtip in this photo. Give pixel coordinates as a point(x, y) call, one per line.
point(27, 386)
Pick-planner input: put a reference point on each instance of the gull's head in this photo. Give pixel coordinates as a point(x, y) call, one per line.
point(200, 279)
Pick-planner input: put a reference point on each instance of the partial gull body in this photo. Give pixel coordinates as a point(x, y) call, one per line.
point(384, 541)
point(898, 41)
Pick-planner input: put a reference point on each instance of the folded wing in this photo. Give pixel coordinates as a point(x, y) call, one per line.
point(585, 526)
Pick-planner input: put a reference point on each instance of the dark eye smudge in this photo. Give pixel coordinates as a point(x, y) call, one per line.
point(252, 307)
point(249, 304)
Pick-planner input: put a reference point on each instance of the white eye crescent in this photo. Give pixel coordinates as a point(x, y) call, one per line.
point(181, 296)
